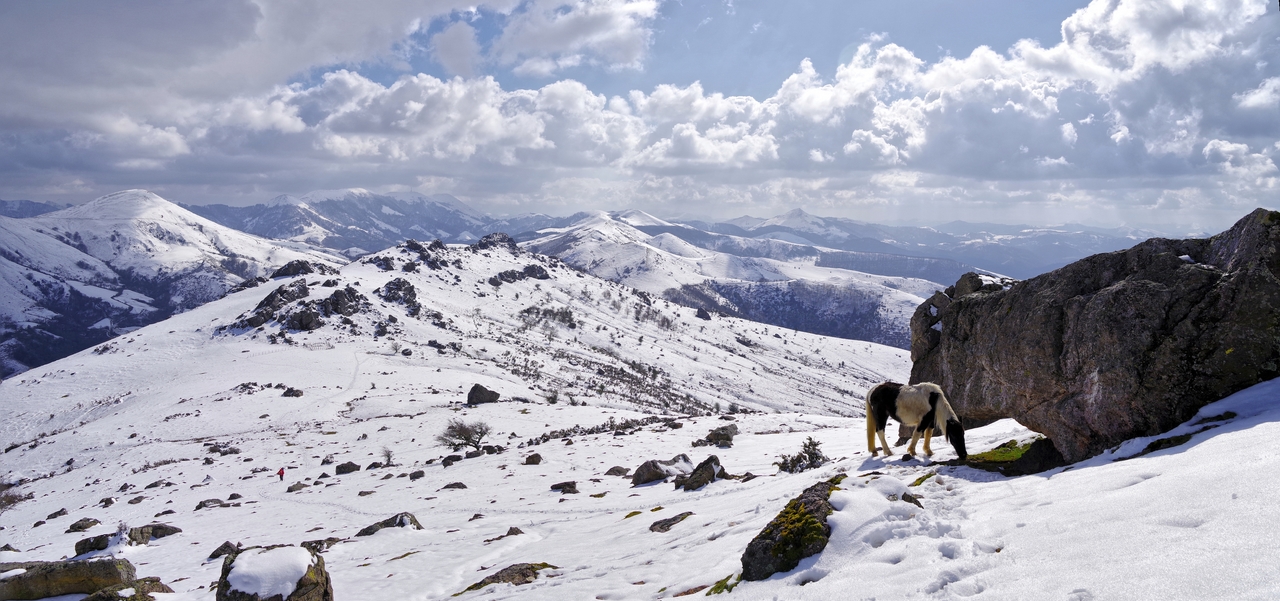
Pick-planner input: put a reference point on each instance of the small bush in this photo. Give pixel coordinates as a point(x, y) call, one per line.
point(9, 498)
point(386, 457)
point(809, 457)
point(460, 434)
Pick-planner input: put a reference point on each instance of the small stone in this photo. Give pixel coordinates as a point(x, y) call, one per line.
point(533, 459)
point(665, 525)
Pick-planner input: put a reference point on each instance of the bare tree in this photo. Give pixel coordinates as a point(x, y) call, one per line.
point(460, 434)
point(386, 457)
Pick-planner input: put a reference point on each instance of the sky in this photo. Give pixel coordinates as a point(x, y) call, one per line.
point(1154, 113)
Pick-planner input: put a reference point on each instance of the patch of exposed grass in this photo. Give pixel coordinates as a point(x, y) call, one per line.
point(923, 479)
point(632, 514)
point(1005, 453)
point(724, 586)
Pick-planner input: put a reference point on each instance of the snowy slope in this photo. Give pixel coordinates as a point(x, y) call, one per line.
point(785, 293)
point(72, 278)
point(1188, 522)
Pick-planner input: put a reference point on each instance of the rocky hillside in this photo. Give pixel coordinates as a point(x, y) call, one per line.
point(1117, 345)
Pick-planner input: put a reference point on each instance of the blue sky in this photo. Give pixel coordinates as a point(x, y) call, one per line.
point(1159, 113)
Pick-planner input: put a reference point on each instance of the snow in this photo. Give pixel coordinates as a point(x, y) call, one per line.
point(1188, 522)
point(269, 572)
point(12, 573)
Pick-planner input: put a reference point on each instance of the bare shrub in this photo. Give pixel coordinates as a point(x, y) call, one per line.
point(460, 434)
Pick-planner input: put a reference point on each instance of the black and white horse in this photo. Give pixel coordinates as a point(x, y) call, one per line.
point(922, 405)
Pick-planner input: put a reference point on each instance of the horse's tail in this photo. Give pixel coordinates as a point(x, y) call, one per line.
point(871, 422)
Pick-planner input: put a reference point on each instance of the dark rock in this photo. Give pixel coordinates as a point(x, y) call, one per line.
point(517, 574)
point(328, 460)
point(400, 290)
point(209, 503)
point(83, 524)
point(656, 469)
point(702, 314)
point(497, 240)
point(617, 470)
point(297, 486)
point(373, 466)
point(10, 548)
point(320, 545)
point(479, 394)
point(38, 524)
point(145, 534)
point(474, 454)
point(293, 268)
point(533, 459)
point(722, 436)
point(450, 460)
point(305, 320)
point(233, 496)
point(224, 549)
point(454, 485)
point(314, 585)
point(55, 578)
point(292, 392)
point(492, 449)
point(346, 468)
point(1114, 346)
point(107, 502)
point(136, 500)
point(282, 296)
point(57, 514)
point(799, 531)
point(569, 488)
point(403, 519)
point(665, 525)
point(704, 474)
point(415, 475)
point(142, 589)
point(93, 543)
point(165, 512)
point(156, 484)
point(345, 302)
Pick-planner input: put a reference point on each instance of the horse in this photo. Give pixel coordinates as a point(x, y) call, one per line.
point(922, 405)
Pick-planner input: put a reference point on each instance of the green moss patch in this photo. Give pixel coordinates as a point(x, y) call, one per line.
point(632, 514)
point(923, 479)
point(1018, 459)
point(724, 586)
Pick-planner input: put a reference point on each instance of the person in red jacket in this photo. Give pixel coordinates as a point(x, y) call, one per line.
point(281, 474)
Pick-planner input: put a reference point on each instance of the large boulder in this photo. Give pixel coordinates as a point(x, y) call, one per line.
point(798, 531)
point(706, 473)
point(403, 519)
point(141, 591)
point(277, 573)
point(657, 469)
point(54, 578)
point(145, 534)
point(479, 395)
point(1114, 346)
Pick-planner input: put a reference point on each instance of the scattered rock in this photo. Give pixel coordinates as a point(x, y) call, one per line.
point(704, 474)
point(450, 460)
point(224, 549)
point(721, 437)
point(618, 470)
point(798, 531)
point(512, 531)
point(297, 486)
point(533, 459)
point(569, 488)
point(166, 512)
point(145, 534)
point(321, 545)
point(365, 493)
point(665, 525)
point(374, 466)
point(55, 578)
point(517, 574)
point(57, 514)
point(346, 468)
point(142, 589)
point(656, 469)
point(294, 391)
point(313, 585)
point(93, 543)
point(209, 503)
point(474, 454)
point(454, 485)
point(137, 499)
point(1114, 346)
point(403, 519)
point(480, 395)
point(702, 314)
point(83, 524)
point(10, 548)
point(107, 502)
point(415, 475)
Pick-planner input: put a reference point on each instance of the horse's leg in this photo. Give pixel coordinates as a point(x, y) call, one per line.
point(927, 435)
point(888, 450)
point(871, 431)
point(915, 436)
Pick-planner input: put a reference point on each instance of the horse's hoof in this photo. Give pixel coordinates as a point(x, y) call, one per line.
point(908, 457)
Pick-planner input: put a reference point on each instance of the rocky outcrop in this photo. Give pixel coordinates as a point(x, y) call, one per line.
point(141, 591)
point(43, 579)
point(517, 574)
point(656, 469)
point(1114, 346)
point(497, 240)
point(799, 531)
point(706, 473)
point(721, 437)
point(478, 395)
point(403, 519)
point(83, 524)
point(313, 583)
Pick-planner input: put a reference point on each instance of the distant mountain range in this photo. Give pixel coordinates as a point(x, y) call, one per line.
point(72, 278)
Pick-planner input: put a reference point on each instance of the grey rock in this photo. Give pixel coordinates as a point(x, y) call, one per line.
point(479, 395)
point(656, 469)
point(93, 543)
point(617, 470)
point(314, 585)
point(533, 459)
point(403, 519)
point(457, 485)
point(704, 474)
point(142, 589)
point(346, 468)
point(798, 531)
point(1114, 346)
point(55, 578)
point(415, 475)
point(224, 549)
point(83, 524)
point(516, 574)
point(569, 488)
point(145, 534)
point(667, 524)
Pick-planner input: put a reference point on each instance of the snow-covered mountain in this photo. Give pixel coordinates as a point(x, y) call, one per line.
point(792, 291)
point(357, 221)
point(27, 208)
point(1019, 251)
point(73, 278)
point(156, 425)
